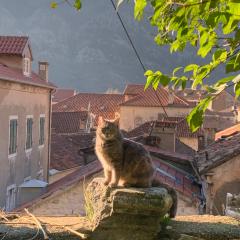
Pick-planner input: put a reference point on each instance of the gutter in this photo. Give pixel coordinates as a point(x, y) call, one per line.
point(4, 78)
point(49, 131)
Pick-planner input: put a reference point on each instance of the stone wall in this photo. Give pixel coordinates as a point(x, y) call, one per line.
point(65, 201)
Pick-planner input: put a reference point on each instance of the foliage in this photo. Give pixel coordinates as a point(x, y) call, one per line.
point(210, 26)
point(77, 4)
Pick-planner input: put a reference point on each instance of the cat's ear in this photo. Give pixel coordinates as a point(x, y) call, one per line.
point(116, 120)
point(100, 121)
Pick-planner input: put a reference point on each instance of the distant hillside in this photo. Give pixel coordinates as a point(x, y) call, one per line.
point(88, 50)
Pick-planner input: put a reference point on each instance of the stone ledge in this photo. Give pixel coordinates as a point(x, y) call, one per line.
point(127, 213)
point(204, 227)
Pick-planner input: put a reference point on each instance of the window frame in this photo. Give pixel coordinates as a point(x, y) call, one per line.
point(31, 145)
point(42, 142)
point(26, 66)
point(12, 154)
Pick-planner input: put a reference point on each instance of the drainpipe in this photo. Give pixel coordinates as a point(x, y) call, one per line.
point(50, 130)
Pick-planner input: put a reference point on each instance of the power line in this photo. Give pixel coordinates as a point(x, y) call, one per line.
point(136, 52)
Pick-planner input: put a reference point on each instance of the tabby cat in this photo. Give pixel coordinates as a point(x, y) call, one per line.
point(125, 162)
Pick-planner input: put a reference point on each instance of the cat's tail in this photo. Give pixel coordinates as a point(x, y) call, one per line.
point(171, 192)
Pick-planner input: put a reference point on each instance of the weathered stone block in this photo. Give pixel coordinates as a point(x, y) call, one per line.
point(126, 213)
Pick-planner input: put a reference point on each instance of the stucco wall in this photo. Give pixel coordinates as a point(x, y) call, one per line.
point(21, 100)
point(16, 61)
point(223, 101)
point(129, 114)
point(186, 206)
point(224, 178)
point(65, 201)
point(61, 174)
point(191, 142)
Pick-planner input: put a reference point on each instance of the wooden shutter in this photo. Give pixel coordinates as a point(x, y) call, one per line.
point(13, 136)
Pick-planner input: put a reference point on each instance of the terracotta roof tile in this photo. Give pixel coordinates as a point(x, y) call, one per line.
point(69, 122)
point(105, 105)
point(13, 44)
point(228, 132)
point(15, 75)
point(218, 153)
point(62, 94)
point(181, 181)
point(71, 179)
point(151, 98)
point(66, 150)
point(182, 128)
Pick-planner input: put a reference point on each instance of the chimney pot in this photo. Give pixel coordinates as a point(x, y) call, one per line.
point(43, 70)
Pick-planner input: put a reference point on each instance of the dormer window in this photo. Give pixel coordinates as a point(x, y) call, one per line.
point(26, 67)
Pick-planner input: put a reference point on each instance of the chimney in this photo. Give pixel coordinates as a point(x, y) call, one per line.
point(43, 70)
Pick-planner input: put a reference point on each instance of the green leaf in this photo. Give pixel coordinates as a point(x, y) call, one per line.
point(234, 7)
point(200, 75)
point(139, 8)
point(164, 80)
point(176, 70)
point(54, 5)
point(233, 65)
point(191, 67)
point(77, 4)
point(149, 81)
point(220, 55)
point(195, 117)
point(224, 80)
point(148, 73)
point(237, 89)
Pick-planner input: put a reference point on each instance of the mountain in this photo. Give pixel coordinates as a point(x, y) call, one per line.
point(88, 50)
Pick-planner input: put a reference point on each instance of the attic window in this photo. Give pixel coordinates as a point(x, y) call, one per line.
point(26, 66)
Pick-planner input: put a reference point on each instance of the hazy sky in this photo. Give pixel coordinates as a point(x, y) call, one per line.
point(87, 50)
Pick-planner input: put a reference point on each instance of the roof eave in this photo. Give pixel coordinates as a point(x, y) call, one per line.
point(3, 78)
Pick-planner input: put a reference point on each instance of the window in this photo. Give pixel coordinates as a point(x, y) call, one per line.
point(29, 138)
point(41, 130)
point(13, 135)
point(26, 66)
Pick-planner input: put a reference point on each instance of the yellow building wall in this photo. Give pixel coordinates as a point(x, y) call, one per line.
point(191, 142)
point(129, 114)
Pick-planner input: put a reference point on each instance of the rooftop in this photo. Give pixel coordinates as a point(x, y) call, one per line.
point(228, 132)
point(152, 98)
point(180, 124)
point(16, 75)
point(62, 94)
point(105, 105)
point(70, 179)
point(218, 153)
point(13, 45)
point(66, 150)
point(69, 122)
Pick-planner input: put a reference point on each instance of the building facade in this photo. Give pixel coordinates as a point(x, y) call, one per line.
point(219, 168)
point(25, 113)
